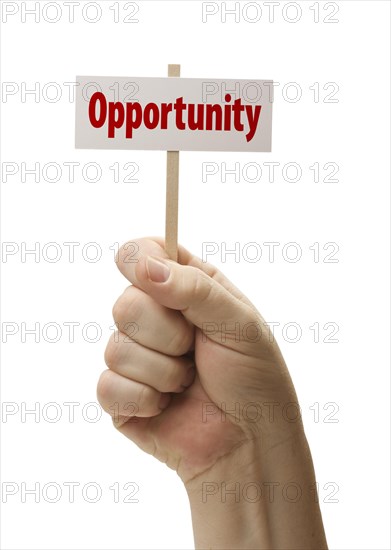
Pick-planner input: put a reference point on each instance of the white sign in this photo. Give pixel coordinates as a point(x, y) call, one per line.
point(173, 114)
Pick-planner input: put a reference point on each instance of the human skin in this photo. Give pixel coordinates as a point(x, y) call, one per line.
point(187, 370)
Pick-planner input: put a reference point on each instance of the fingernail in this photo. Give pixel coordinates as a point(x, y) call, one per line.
point(189, 378)
point(158, 272)
point(164, 401)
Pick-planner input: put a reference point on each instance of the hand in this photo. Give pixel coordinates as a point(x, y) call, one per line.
point(186, 382)
point(191, 364)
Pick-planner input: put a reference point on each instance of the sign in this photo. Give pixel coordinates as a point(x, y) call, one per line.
point(173, 114)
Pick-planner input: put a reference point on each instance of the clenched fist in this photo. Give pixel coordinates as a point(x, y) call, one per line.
point(191, 353)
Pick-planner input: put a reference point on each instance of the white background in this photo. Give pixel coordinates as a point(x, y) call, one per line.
point(352, 374)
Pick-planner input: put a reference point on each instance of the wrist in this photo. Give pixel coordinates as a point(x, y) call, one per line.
point(263, 495)
point(224, 511)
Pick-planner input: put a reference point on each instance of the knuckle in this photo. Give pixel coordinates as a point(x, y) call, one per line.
point(127, 253)
point(171, 379)
point(146, 397)
point(201, 288)
point(104, 387)
point(112, 354)
point(129, 305)
point(179, 342)
point(119, 309)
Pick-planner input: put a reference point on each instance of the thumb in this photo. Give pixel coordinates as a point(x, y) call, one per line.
point(201, 299)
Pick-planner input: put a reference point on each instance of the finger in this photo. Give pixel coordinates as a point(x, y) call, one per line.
point(131, 252)
point(151, 324)
point(162, 372)
point(207, 304)
point(120, 396)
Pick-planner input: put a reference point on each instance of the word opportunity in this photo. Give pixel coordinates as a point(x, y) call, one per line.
point(173, 114)
point(202, 116)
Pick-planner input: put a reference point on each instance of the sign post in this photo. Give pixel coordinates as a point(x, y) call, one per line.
point(172, 187)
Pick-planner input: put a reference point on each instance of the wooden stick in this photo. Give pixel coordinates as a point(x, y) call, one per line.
point(171, 244)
